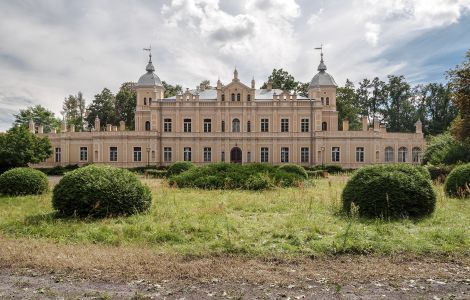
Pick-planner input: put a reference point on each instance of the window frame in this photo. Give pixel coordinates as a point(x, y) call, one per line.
point(264, 154)
point(360, 154)
point(304, 154)
point(264, 125)
point(284, 124)
point(187, 125)
point(336, 154)
point(137, 154)
point(167, 125)
point(207, 154)
point(113, 154)
point(167, 154)
point(187, 154)
point(305, 125)
point(284, 154)
point(83, 152)
point(207, 125)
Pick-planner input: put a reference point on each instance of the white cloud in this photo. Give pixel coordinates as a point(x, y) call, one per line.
point(314, 18)
point(372, 33)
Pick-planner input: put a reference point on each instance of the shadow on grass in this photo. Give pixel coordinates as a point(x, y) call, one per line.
point(54, 217)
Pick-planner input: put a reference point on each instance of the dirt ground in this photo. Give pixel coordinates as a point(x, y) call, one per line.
point(35, 269)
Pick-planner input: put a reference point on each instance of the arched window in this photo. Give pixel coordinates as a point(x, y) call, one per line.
point(233, 97)
point(322, 101)
point(324, 126)
point(223, 97)
point(145, 101)
point(147, 126)
point(248, 98)
point(402, 154)
point(236, 125)
point(238, 97)
point(416, 154)
point(150, 101)
point(389, 154)
point(327, 101)
point(248, 126)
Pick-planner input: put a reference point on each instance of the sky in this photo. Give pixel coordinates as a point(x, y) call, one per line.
point(50, 49)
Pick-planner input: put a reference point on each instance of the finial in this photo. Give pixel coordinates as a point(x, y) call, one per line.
point(321, 66)
point(235, 73)
point(150, 68)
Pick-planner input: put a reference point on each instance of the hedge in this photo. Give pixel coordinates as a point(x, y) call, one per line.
point(179, 167)
point(458, 182)
point(294, 169)
point(23, 181)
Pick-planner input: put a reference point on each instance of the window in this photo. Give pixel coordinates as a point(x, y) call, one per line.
point(327, 101)
point(324, 126)
point(167, 154)
point(113, 153)
point(304, 125)
point(264, 125)
point(415, 153)
point(83, 153)
point(335, 154)
point(145, 101)
point(187, 154)
point(284, 154)
point(223, 97)
point(222, 126)
point(233, 97)
point(389, 154)
point(236, 125)
point(207, 154)
point(248, 126)
point(248, 98)
point(359, 154)
point(58, 154)
point(238, 97)
point(304, 154)
point(207, 125)
point(167, 125)
point(264, 154)
point(402, 153)
point(248, 156)
point(147, 126)
point(222, 156)
point(322, 101)
point(187, 125)
point(150, 101)
point(137, 154)
point(284, 125)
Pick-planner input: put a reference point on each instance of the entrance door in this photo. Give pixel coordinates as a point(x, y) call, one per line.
point(236, 155)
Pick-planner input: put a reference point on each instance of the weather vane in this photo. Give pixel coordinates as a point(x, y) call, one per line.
point(149, 49)
point(320, 48)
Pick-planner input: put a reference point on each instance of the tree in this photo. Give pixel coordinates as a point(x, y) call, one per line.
point(171, 90)
point(126, 101)
point(39, 115)
point(459, 83)
point(205, 85)
point(73, 110)
point(346, 104)
point(282, 80)
point(371, 98)
point(399, 112)
point(19, 147)
point(103, 106)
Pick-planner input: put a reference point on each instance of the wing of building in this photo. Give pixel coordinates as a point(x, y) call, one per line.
point(235, 122)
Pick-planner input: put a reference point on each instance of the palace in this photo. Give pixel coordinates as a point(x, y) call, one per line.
point(235, 123)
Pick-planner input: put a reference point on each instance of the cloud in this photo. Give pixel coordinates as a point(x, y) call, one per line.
point(372, 33)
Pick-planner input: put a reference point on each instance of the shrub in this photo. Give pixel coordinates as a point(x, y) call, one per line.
point(390, 191)
point(333, 169)
point(445, 149)
point(156, 173)
point(23, 181)
point(179, 167)
point(100, 191)
point(259, 181)
point(315, 174)
point(439, 171)
point(294, 169)
point(458, 181)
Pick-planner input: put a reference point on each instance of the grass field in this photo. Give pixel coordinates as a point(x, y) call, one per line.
point(283, 222)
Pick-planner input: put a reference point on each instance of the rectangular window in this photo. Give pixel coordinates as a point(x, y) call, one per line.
point(304, 154)
point(83, 154)
point(207, 125)
point(58, 154)
point(248, 156)
point(284, 154)
point(305, 125)
point(264, 125)
point(222, 126)
point(359, 154)
point(207, 154)
point(187, 154)
point(264, 154)
point(335, 154)
point(187, 125)
point(222, 156)
point(167, 154)
point(137, 154)
point(248, 126)
point(113, 153)
point(284, 125)
point(167, 125)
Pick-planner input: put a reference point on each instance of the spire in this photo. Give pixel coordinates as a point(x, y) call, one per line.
point(150, 68)
point(235, 73)
point(253, 82)
point(321, 66)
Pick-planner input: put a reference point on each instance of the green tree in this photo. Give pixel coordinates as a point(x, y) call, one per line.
point(282, 80)
point(371, 98)
point(459, 83)
point(126, 101)
point(171, 90)
point(19, 147)
point(399, 113)
point(103, 106)
point(73, 110)
point(302, 89)
point(205, 85)
point(346, 104)
point(40, 115)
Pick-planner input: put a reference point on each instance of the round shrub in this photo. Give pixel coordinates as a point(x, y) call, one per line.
point(258, 182)
point(390, 191)
point(100, 191)
point(458, 181)
point(23, 181)
point(178, 168)
point(294, 169)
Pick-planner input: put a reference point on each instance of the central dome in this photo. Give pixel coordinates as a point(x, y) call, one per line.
point(149, 78)
point(322, 78)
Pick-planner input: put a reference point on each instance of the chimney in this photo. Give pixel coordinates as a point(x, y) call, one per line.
point(72, 128)
point(109, 127)
point(345, 125)
point(122, 126)
point(419, 127)
point(64, 126)
point(365, 123)
point(40, 129)
point(31, 126)
point(97, 124)
point(269, 85)
point(376, 124)
point(115, 128)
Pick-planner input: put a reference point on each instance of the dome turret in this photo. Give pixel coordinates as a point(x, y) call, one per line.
point(149, 78)
point(322, 78)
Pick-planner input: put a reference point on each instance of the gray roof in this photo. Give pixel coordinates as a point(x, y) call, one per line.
point(322, 79)
point(149, 78)
point(211, 95)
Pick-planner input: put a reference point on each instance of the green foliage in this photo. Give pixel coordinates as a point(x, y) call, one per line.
point(282, 80)
point(314, 173)
point(458, 182)
point(235, 176)
point(39, 115)
point(179, 167)
point(100, 191)
point(332, 169)
point(74, 110)
point(58, 170)
point(171, 90)
point(390, 191)
point(23, 181)
point(126, 101)
point(294, 169)
point(103, 107)
point(156, 173)
point(346, 104)
point(445, 149)
point(439, 171)
point(19, 147)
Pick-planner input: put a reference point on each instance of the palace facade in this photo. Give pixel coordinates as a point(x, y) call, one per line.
point(237, 123)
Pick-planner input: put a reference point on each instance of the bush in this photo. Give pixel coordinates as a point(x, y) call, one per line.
point(58, 170)
point(444, 149)
point(333, 169)
point(294, 169)
point(100, 191)
point(23, 181)
point(390, 191)
point(156, 173)
point(439, 172)
point(315, 174)
point(179, 167)
point(458, 182)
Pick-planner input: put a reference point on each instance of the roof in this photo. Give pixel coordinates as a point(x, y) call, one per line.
point(211, 95)
point(322, 79)
point(149, 78)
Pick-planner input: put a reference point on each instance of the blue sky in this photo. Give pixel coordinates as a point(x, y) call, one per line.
point(50, 49)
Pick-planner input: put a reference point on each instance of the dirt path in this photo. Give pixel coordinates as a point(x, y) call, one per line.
point(33, 269)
